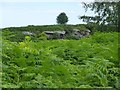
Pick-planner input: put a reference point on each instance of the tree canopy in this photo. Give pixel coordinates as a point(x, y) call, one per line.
point(106, 13)
point(62, 18)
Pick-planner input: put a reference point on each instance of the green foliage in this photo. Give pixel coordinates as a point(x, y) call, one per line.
point(71, 36)
point(87, 63)
point(107, 15)
point(42, 36)
point(15, 34)
point(6, 34)
point(118, 16)
point(56, 36)
point(62, 18)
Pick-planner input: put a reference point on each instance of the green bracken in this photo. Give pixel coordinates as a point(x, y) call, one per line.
point(91, 62)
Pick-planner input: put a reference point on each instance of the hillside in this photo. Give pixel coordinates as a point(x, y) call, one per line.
point(86, 63)
point(19, 33)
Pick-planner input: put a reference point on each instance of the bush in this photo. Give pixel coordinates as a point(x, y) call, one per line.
point(42, 36)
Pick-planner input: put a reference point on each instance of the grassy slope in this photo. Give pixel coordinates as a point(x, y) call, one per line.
point(15, 33)
point(89, 62)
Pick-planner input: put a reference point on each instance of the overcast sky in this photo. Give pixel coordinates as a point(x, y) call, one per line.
point(40, 12)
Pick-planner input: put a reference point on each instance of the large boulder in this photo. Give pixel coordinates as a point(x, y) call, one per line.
point(27, 33)
point(81, 33)
point(52, 34)
point(73, 33)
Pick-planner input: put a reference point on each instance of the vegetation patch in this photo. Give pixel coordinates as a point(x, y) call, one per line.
point(87, 63)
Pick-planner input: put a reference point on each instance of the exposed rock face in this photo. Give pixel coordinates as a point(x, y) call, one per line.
point(52, 32)
point(27, 33)
point(59, 34)
point(75, 32)
point(81, 33)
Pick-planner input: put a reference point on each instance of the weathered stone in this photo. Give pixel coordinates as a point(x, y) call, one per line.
point(75, 32)
point(52, 33)
point(27, 33)
point(81, 33)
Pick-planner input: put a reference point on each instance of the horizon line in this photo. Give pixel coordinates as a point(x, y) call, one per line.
point(40, 25)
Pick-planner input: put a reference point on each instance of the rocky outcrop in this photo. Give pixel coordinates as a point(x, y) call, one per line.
point(75, 33)
point(81, 33)
point(59, 34)
point(27, 33)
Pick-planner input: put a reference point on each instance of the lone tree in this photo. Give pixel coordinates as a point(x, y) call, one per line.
point(62, 18)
